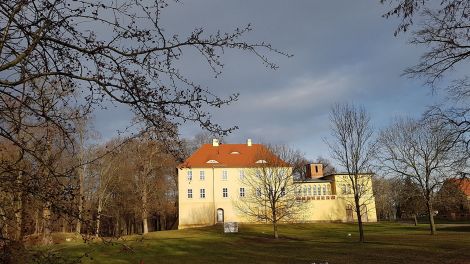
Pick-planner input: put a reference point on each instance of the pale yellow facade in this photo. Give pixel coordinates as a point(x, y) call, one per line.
point(338, 205)
point(207, 196)
point(201, 209)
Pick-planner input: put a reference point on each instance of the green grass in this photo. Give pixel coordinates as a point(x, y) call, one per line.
point(299, 243)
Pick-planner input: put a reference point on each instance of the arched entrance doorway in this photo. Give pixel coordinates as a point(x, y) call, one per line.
point(220, 215)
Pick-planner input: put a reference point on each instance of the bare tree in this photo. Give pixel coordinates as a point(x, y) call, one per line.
point(111, 50)
point(82, 134)
point(270, 189)
point(398, 197)
point(352, 147)
point(410, 201)
point(385, 198)
point(298, 163)
point(130, 190)
point(60, 60)
point(147, 160)
point(328, 167)
point(421, 152)
point(101, 181)
point(443, 29)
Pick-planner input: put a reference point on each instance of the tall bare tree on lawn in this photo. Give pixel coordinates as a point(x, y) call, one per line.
point(352, 146)
point(422, 152)
point(271, 194)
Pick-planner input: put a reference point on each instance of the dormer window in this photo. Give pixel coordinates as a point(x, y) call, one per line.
point(261, 161)
point(212, 161)
point(235, 152)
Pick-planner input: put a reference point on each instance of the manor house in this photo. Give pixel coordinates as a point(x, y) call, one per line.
point(209, 183)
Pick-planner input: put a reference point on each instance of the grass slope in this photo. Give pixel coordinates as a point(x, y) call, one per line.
point(299, 243)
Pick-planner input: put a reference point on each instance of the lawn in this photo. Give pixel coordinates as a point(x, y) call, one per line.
point(299, 243)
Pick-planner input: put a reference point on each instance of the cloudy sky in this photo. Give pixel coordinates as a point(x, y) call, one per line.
point(344, 51)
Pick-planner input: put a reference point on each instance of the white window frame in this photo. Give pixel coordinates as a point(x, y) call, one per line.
point(189, 175)
point(242, 174)
point(324, 189)
point(202, 193)
point(242, 192)
point(314, 190)
point(202, 175)
point(225, 192)
point(224, 175)
point(190, 193)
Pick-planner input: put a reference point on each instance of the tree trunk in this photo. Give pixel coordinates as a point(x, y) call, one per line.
point(78, 227)
point(432, 226)
point(123, 227)
point(117, 226)
point(37, 227)
point(416, 219)
point(144, 210)
point(18, 203)
point(3, 225)
point(46, 212)
point(159, 222)
point(98, 219)
point(81, 174)
point(131, 226)
point(46, 218)
point(18, 217)
point(64, 224)
point(145, 224)
point(276, 235)
point(359, 218)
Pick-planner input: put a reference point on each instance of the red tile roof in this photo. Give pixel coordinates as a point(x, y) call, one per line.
point(464, 185)
point(231, 156)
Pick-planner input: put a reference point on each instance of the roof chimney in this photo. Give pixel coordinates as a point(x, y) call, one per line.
point(248, 142)
point(215, 142)
point(314, 171)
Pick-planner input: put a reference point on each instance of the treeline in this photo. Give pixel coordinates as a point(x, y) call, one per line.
point(129, 188)
point(399, 199)
point(121, 187)
point(38, 185)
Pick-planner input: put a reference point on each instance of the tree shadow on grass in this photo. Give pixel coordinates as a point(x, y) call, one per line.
point(455, 228)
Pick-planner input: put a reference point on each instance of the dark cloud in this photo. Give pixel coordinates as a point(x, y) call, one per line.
point(343, 51)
